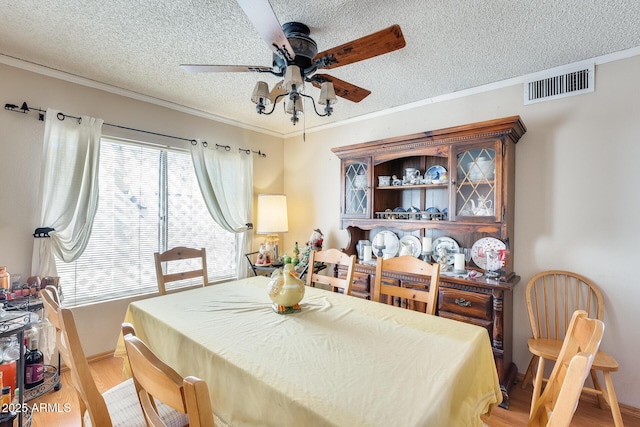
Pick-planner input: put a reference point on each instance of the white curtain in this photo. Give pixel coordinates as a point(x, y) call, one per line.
point(68, 189)
point(226, 182)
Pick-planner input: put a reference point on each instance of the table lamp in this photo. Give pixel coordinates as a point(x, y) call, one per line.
point(272, 219)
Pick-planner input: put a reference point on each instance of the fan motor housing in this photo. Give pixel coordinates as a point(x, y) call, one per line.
point(303, 46)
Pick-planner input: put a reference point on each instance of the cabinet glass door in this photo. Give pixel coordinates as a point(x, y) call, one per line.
point(356, 189)
point(476, 188)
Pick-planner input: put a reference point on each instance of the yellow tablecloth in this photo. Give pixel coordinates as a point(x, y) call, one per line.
point(341, 361)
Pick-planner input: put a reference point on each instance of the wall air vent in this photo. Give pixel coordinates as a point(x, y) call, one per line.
point(561, 83)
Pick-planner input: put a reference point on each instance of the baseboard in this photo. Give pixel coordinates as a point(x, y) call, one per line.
point(593, 399)
point(91, 359)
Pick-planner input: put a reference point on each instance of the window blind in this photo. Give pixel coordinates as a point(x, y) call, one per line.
point(149, 201)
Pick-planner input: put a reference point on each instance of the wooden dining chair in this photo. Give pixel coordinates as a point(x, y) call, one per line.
point(559, 400)
point(404, 296)
point(336, 257)
point(552, 296)
point(156, 381)
point(117, 406)
point(177, 257)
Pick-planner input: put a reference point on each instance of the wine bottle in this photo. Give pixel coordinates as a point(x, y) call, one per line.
point(34, 365)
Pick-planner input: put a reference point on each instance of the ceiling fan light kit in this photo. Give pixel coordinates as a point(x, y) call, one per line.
point(294, 84)
point(296, 58)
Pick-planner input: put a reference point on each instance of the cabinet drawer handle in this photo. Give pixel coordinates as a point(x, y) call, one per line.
point(462, 302)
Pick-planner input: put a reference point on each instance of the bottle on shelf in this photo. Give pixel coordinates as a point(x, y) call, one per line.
point(34, 285)
point(16, 291)
point(5, 398)
point(296, 250)
point(5, 278)
point(8, 369)
point(295, 259)
point(26, 290)
point(34, 365)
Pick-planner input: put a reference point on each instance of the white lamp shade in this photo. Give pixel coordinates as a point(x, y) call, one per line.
point(327, 94)
point(272, 214)
point(293, 76)
point(261, 92)
point(298, 104)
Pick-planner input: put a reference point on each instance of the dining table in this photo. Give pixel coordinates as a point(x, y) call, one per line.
point(340, 361)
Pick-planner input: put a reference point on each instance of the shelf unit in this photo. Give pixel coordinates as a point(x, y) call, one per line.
point(477, 197)
point(20, 309)
point(15, 322)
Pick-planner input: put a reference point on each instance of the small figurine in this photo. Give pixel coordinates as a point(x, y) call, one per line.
point(442, 258)
point(263, 256)
point(316, 239)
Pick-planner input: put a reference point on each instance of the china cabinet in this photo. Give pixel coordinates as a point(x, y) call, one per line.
point(455, 183)
point(355, 201)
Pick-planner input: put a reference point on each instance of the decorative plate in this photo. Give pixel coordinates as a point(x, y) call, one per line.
point(432, 209)
point(399, 209)
point(480, 248)
point(434, 172)
point(391, 243)
point(464, 275)
point(413, 243)
point(449, 244)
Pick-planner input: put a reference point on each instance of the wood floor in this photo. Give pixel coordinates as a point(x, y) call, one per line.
point(108, 372)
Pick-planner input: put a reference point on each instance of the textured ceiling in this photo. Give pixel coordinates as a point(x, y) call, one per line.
point(452, 45)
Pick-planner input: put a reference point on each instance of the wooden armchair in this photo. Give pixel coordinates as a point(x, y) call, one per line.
point(408, 264)
point(332, 256)
point(552, 297)
point(119, 405)
point(559, 400)
point(174, 256)
point(156, 381)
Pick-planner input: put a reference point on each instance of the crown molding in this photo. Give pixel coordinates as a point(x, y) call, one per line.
point(50, 72)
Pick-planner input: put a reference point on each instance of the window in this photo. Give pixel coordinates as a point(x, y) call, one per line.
point(149, 201)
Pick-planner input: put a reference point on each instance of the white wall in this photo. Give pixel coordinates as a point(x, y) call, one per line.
point(20, 152)
point(577, 203)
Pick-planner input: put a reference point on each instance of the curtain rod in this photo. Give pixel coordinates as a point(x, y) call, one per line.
point(24, 108)
point(244, 150)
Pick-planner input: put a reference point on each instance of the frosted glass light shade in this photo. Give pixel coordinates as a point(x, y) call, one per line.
point(293, 76)
point(298, 104)
point(272, 214)
point(327, 94)
point(261, 91)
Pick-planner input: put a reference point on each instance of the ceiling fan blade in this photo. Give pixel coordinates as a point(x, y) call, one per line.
point(343, 89)
point(199, 68)
point(366, 47)
point(261, 15)
point(277, 90)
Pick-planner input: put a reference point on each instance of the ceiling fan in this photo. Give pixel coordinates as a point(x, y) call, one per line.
point(297, 60)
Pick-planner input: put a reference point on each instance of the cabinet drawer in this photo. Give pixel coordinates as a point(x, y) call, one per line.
point(469, 304)
point(360, 284)
point(487, 324)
